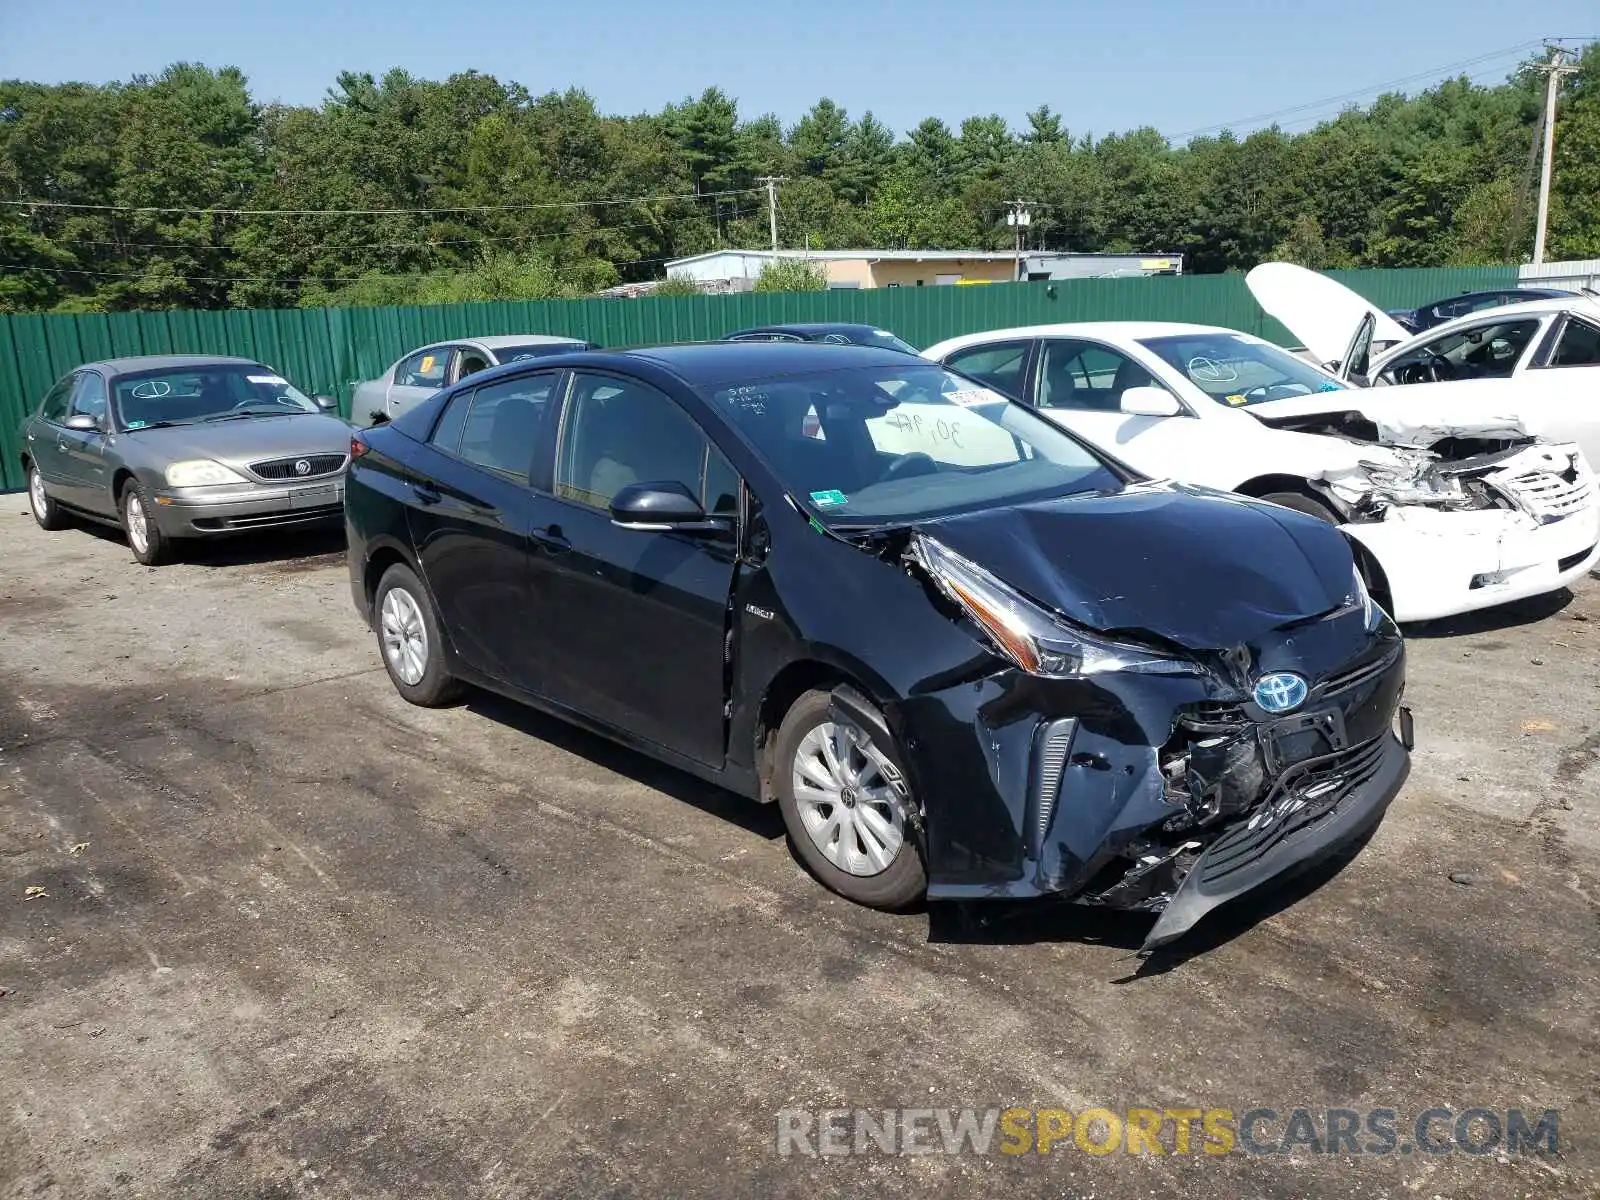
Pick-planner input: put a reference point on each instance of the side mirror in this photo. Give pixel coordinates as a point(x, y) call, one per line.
point(84, 423)
point(1150, 402)
point(325, 402)
point(662, 506)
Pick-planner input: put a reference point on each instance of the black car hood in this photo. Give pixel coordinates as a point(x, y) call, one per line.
point(1205, 570)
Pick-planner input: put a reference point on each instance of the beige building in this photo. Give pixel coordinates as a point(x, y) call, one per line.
point(738, 270)
point(856, 268)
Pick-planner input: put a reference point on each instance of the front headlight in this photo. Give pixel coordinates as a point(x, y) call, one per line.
point(201, 472)
point(1037, 641)
point(1371, 613)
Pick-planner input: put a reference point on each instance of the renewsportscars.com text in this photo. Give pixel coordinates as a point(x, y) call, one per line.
point(1141, 1130)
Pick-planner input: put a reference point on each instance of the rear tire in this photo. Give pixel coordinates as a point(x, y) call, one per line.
point(849, 818)
point(409, 640)
point(1303, 504)
point(149, 545)
point(46, 512)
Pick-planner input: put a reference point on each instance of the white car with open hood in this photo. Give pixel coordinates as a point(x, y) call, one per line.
point(1537, 363)
point(1457, 506)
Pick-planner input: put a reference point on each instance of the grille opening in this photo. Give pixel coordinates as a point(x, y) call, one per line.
point(287, 468)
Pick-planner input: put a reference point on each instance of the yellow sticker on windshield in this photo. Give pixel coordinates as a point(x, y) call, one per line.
point(427, 364)
point(1234, 400)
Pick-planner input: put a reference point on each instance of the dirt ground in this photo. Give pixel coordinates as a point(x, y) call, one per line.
point(296, 937)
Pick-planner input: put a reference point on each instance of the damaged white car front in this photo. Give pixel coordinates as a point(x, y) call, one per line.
point(1458, 514)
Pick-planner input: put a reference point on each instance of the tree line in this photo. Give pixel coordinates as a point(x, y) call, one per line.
point(180, 190)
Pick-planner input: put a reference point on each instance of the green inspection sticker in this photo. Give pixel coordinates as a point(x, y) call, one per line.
point(828, 499)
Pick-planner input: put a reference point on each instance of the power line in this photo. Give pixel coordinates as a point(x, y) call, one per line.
point(372, 212)
point(1432, 72)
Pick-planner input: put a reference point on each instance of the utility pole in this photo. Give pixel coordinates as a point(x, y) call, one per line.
point(772, 182)
point(1019, 218)
point(1553, 70)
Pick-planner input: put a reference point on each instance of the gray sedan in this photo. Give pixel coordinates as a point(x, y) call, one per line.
point(178, 446)
point(422, 373)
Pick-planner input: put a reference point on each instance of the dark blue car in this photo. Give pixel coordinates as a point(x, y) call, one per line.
point(966, 654)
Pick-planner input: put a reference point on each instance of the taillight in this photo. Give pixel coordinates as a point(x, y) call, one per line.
point(357, 448)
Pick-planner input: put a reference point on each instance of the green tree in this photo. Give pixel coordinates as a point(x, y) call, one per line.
point(791, 275)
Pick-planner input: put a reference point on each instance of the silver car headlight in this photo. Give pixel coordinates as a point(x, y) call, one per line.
point(1037, 641)
point(201, 472)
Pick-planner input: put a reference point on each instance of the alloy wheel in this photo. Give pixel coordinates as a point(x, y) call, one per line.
point(138, 528)
point(845, 799)
point(405, 637)
point(36, 496)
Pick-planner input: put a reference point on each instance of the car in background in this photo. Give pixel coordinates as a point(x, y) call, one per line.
point(179, 447)
point(423, 372)
point(1017, 673)
point(833, 333)
point(1454, 506)
point(1426, 316)
point(1536, 363)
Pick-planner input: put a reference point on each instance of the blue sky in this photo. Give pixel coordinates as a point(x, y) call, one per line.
point(1180, 65)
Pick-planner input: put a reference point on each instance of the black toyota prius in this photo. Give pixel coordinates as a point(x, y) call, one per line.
point(966, 654)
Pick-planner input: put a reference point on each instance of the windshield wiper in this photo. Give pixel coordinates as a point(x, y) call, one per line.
point(239, 415)
point(135, 427)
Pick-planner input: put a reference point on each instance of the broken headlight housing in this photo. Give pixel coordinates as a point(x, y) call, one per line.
point(1371, 612)
point(1038, 641)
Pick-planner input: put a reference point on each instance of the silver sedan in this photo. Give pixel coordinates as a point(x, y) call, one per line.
point(422, 373)
point(173, 447)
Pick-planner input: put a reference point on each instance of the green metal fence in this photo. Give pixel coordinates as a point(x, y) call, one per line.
point(328, 350)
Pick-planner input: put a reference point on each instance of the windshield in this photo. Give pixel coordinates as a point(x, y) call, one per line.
point(511, 354)
point(1236, 370)
point(207, 392)
point(872, 337)
point(886, 445)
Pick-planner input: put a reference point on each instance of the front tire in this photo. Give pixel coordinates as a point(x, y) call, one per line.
point(1303, 504)
point(409, 640)
point(149, 545)
point(844, 802)
point(46, 512)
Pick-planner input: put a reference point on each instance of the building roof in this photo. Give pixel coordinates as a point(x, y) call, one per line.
point(913, 255)
point(851, 255)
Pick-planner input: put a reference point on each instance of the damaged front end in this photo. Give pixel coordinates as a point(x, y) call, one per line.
point(1458, 516)
point(1134, 772)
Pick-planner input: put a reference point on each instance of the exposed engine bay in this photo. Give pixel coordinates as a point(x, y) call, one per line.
point(1448, 470)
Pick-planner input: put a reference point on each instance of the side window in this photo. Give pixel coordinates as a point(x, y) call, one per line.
point(54, 405)
point(501, 429)
point(1579, 346)
point(1485, 351)
point(447, 434)
point(721, 491)
point(1087, 376)
point(999, 366)
point(618, 432)
point(424, 369)
point(470, 362)
point(89, 397)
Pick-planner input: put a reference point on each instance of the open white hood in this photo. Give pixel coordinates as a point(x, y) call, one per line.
point(1320, 312)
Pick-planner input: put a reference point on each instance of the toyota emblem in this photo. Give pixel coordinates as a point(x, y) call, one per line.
point(302, 467)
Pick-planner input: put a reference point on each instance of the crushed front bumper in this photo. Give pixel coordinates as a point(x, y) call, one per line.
point(235, 509)
point(1290, 832)
point(1148, 792)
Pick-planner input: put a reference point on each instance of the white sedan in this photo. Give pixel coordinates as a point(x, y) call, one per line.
point(1457, 510)
point(1539, 360)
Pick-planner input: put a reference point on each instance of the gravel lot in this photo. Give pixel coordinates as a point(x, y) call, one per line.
point(299, 938)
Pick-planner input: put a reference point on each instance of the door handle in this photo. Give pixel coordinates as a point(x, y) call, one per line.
point(426, 493)
point(551, 539)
